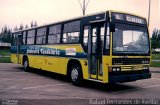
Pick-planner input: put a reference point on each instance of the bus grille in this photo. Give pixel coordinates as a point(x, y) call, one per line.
point(129, 61)
point(128, 72)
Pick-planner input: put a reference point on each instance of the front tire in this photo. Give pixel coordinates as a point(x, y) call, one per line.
point(76, 75)
point(26, 65)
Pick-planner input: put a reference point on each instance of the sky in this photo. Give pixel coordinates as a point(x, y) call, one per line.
point(16, 12)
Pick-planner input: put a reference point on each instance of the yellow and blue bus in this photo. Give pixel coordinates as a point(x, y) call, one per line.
point(106, 47)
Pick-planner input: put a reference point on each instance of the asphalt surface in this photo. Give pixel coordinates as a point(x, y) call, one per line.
point(44, 88)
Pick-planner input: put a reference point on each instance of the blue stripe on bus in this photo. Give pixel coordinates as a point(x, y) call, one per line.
point(62, 53)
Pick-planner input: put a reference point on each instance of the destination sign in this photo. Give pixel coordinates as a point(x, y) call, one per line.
point(129, 18)
point(134, 19)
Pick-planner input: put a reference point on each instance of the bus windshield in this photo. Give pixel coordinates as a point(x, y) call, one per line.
point(130, 39)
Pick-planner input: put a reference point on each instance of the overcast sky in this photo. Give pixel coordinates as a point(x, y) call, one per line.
point(15, 12)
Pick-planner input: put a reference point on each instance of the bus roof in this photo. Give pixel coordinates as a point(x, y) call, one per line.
point(80, 17)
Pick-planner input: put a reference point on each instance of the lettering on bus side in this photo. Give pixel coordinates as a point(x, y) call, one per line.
point(32, 51)
point(44, 51)
point(49, 51)
point(71, 51)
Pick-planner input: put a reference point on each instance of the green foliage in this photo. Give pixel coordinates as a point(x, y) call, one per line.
point(155, 64)
point(155, 56)
point(26, 27)
point(155, 40)
point(6, 35)
point(33, 24)
point(5, 60)
point(5, 52)
point(21, 27)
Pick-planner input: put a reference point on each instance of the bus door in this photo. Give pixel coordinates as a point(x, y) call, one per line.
point(95, 49)
point(19, 41)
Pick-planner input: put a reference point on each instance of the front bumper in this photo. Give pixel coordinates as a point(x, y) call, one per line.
point(128, 78)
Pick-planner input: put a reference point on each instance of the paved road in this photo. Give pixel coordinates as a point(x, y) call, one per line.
point(43, 88)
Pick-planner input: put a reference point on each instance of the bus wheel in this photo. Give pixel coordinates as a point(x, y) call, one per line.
point(26, 65)
point(76, 75)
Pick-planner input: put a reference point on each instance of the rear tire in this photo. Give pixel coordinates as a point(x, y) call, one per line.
point(26, 65)
point(75, 75)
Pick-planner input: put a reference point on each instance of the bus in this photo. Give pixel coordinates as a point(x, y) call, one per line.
point(106, 47)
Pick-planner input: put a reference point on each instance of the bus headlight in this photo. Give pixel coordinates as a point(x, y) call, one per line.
point(145, 67)
point(118, 69)
point(145, 62)
point(114, 69)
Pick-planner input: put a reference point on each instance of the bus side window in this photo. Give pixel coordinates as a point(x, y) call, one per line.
point(30, 36)
point(17, 39)
point(24, 38)
point(71, 32)
point(41, 36)
point(54, 34)
point(85, 38)
point(20, 39)
point(14, 39)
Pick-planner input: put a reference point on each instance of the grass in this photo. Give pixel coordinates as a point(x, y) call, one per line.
point(155, 64)
point(5, 60)
point(155, 57)
point(5, 52)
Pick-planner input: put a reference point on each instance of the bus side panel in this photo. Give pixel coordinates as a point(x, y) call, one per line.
point(84, 65)
point(64, 62)
point(14, 58)
point(31, 60)
point(36, 61)
point(63, 67)
point(21, 59)
point(14, 54)
point(106, 63)
point(40, 62)
point(53, 64)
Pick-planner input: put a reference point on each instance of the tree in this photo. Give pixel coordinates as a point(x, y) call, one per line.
point(15, 28)
point(21, 27)
point(155, 40)
point(35, 24)
point(32, 25)
point(26, 27)
point(6, 35)
point(158, 39)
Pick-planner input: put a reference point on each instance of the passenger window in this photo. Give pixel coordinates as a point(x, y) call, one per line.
point(71, 32)
point(54, 34)
point(41, 36)
point(30, 37)
point(24, 38)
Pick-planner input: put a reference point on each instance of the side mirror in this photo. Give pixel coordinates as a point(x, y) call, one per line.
point(112, 25)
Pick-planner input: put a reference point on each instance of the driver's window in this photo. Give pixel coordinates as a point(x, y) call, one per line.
point(107, 38)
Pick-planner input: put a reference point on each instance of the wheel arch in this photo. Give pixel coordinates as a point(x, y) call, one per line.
point(72, 62)
point(24, 57)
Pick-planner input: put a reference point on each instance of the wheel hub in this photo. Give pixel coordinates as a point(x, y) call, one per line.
point(25, 64)
point(74, 74)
